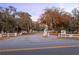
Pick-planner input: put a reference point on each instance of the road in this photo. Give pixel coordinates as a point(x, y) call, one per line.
point(58, 51)
point(36, 44)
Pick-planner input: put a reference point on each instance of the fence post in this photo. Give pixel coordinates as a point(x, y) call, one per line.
point(15, 34)
point(0, 35)
point(8, 34)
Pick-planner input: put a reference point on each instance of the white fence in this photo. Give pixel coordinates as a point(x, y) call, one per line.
point(69, 35)
point(8, 34)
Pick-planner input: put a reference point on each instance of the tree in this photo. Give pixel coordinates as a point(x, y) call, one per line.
point(10, 23)
point(25, 21)
point(36, 26)
point(7, 20)
point(55, 18)
point(75, 12)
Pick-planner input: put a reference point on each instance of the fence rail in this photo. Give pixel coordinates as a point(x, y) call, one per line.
point(8, 34)
point(69, 35)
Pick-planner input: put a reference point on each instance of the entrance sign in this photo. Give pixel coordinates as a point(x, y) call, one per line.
point(45, 33)
point(63, 31)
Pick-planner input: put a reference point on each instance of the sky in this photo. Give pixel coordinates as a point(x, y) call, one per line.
point(36, 9)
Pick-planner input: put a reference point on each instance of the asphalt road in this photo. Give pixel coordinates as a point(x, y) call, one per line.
point(37, 41)
point(58, 51)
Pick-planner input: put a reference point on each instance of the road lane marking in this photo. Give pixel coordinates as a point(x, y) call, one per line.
point(27, 49)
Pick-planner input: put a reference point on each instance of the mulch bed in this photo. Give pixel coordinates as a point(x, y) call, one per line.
point(53, 34)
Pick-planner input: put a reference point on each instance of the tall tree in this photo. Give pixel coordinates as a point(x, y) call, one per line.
point(25, 21)
point(55, 18)
point(75, 12)
point(7, 20)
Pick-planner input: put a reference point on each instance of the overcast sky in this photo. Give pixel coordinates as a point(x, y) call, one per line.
point(36, 9)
